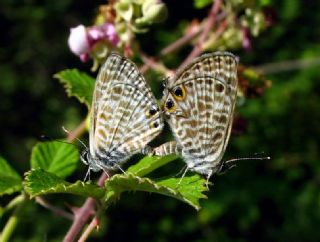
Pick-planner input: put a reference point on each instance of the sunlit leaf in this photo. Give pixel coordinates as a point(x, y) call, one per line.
point(149, 164)
point(56, 157)
point(39, 182)
point(189, 189)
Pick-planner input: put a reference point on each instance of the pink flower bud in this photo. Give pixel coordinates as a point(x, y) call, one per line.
point(105, 32)
point(78, 40)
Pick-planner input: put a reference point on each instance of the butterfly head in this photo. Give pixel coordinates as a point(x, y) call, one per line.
point(87, 159)
point(85, 156)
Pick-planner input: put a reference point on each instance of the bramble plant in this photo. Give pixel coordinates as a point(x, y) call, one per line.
point(229, 25)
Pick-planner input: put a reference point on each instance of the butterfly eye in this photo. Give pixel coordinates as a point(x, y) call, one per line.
point(179, 93)
point(170, 105)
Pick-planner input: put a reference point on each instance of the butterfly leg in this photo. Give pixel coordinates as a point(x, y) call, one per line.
point(87, 175)
point(168, 148)
point(147, 150)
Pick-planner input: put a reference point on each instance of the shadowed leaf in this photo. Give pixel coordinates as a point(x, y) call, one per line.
point(10, 180)
point(77, 84)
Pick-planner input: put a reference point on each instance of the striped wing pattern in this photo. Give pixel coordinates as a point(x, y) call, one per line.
point(199, 103)
point(124, 116)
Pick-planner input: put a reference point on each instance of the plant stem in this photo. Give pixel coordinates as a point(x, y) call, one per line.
point(13, 203)
point(83, 214)
point(204, 29)
point(92, 226)
point(180, 42)
point(12, 222)
point(156, 65)
point(55, 210)
point(288, 65)
point(210, 22)
point(77, 132)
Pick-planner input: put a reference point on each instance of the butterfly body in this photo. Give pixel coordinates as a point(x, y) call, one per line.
point(199, 104)
point(124, 115)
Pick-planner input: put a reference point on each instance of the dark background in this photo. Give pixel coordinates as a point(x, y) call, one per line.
point(276, 200)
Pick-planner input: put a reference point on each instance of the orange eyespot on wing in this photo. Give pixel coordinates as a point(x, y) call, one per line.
point(170, 106)
point(179, 93)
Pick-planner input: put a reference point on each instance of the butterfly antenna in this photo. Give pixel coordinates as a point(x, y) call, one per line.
point(44, 137)
point(231, 163)
point(87, 175)
point(80, 141)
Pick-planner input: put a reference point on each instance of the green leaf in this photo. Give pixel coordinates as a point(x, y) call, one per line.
point(10, 180)
point(77, 84)
point(188, 189)
point(39, 182)
point(56, 157)
point(149, 164)
point(191, 188)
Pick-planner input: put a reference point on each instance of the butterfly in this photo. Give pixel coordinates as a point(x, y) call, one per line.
point(199, 105)
point(124, 117)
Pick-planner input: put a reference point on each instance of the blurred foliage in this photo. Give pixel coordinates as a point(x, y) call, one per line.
point(276, 200)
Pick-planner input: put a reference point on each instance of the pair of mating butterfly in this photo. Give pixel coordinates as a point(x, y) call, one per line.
point(198, 105)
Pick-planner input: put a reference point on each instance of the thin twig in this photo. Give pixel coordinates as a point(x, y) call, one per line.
point(187, 38)
point(83, 214)
point(13, 221)
point(181, 42)
point(216, 35)
point(150, 62)
point(91, 227)
point(203, 36)
point(77, 132)
point(55, 210)
point(170, 48)
point(289, 65)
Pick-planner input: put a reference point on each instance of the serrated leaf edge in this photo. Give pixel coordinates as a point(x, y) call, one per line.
point(64, 184)
point(27, 184)
point(175, 194)
point(68, 87)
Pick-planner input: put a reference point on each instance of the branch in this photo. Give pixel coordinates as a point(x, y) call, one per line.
point(92, 226)
point(55, 210)
point(288, 65)
point(13, 221)
point(150, 62)
point(83, 214)
point(181, 42)
point(205, 28)
point(210, 22)
point(77, 132)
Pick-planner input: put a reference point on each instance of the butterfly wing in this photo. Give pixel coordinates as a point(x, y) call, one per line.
point(125, 116)
point(200, 103)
